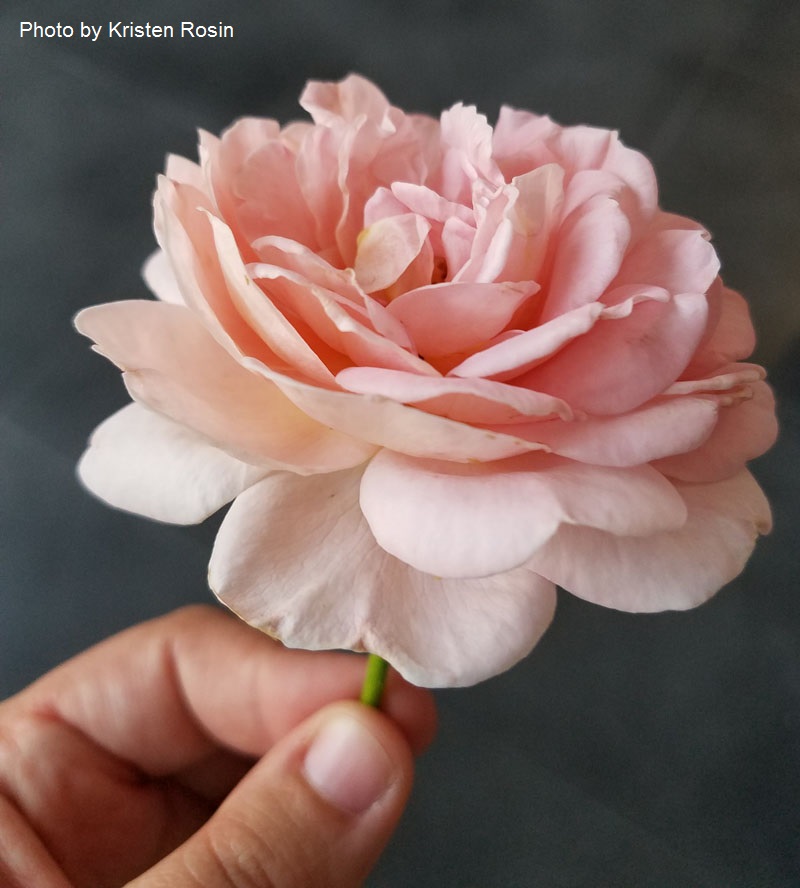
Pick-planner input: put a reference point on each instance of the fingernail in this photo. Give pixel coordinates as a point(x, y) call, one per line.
point(347, 766)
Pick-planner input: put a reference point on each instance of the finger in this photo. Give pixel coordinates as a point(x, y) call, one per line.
point(164, 695)
point(316, 811)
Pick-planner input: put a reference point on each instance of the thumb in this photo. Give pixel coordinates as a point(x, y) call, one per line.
point(317, 810)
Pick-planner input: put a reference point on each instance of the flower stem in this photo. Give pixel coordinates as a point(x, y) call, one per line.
point(374, 680)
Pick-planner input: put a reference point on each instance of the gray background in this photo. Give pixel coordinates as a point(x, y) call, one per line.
point(625, 751)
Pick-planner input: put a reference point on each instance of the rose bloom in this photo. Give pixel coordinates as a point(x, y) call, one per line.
point(440, 368)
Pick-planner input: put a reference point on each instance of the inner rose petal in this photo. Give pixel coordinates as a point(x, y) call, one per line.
point(386, 248)
point(447, 318)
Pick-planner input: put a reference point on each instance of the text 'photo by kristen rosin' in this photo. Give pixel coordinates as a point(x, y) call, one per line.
point(125, 30)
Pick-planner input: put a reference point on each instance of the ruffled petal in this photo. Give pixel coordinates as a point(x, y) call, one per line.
point(674, 570)
point(466, 153)
point(142, 462)
point(173, 365)
point(518, 140)
point(346, 101)
point(427, 203)
point(476, 520)
point(296, 558)
point(295, 257)
point(726, 380)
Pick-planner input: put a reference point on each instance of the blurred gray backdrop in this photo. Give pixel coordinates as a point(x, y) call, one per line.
point(659, 751)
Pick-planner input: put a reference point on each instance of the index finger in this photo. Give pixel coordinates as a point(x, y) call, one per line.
point(166, 693)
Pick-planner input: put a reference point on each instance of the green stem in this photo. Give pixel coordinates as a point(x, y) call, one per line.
point(374, 680)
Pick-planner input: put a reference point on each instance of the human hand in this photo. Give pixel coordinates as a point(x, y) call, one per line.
point(136, 759)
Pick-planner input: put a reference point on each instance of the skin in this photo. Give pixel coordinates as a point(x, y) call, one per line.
point(177, 753)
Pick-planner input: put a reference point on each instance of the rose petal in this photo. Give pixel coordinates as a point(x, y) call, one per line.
point(457, 239)
point(387, 248)
point(516, 138)
point(386, 423)
point(180, 169)
point(184, 233)
point(534, 212)
point(427, 203)
point(514, 353)
point(337, 328)
point(476, 520)
point(494, 236)
point(330, 103)
point(173, 365)
point(160, 278)
point(295, 257)
point(266, 196)
point(655, 430)
point(443, 319)
point(466, 153)
point(624, 362)
point(271, 325)
point(680, 261)
point(591, 246)
point(296, 558)
point(730, 338)
point(466, 400)
point(673, 570)
point(142, 462)
point(744, 431)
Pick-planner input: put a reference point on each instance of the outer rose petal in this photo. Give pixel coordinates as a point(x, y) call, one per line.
point(730, 339)
point(474, 521)
point(142, 462)
point(160, 278)
point(673, 570)
point(184, 233)
point(745, 430)
point(173, 365)
point(296, 558)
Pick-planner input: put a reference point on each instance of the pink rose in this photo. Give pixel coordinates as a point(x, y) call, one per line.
point(439, 368)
